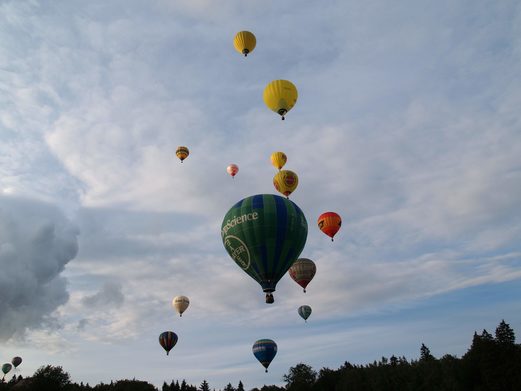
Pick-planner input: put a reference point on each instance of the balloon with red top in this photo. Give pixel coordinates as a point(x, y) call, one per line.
point(329, 223)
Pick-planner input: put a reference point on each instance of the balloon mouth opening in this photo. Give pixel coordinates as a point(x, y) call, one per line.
point(282, 113)
point(245, 52)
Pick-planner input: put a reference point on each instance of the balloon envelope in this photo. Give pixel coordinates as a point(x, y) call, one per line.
point(264, 234)
point(182, 153)
point(302, 271)
point(232, 169)
point(285, 182)
point(329, 223)
point(180, 304)
point(278, 159)
point(6, 368)
point(304, 311)
point(265, 350)
point(16, 361)
point(167, 340)
point(280, 96)
point(244, 42)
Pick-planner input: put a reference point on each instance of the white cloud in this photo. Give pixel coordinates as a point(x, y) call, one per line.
point(36, 242)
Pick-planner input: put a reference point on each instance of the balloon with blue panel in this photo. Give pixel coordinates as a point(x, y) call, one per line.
point(265, 350)
point(264, 234)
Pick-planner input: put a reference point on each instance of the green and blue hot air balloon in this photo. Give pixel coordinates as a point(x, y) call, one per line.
point(264, 234)
point(304, 311)
point(265, 350)
point(5, 369)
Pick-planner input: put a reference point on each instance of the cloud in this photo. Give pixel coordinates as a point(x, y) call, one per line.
point(110, 295)
point(36, 242)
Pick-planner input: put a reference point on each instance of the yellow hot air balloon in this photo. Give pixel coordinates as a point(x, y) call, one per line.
point(280, 96)
point(244, 42)
point(180, 303)
point(285, 181)
point(278, 159)
point(182, 153)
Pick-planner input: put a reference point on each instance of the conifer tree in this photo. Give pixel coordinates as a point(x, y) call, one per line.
point(504, 334)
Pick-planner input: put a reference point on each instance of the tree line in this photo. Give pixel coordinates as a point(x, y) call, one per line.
point(492, 363)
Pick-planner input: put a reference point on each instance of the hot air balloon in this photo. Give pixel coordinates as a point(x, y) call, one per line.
point(280, 96)
point(182, 153)
point(264, 234)
point(167, 340)
point(265, 350)
point(278, 159)
point(302, 272)
point(285, 181)
point(329, 223)
point(16, 361)
point(232, 169)
point(180, 303)
point(304, 311)
point(7, 367)
point(244, 42)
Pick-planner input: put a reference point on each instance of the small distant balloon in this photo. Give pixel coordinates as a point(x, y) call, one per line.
point(244, 42)
point(278, 159)
point(302, 272)
point(5, 369)
point(329, 223)
point(180, 304)
point(280, 96)
point(167, 340)
point(16, 361)
point(265, 350)
point(182, 153)
point(285, 182)
point(304, 311)
point(232, 169)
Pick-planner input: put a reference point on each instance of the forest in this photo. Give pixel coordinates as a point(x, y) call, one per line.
point(492, 362)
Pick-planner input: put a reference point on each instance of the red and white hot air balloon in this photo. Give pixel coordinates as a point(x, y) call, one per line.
point(232, 169)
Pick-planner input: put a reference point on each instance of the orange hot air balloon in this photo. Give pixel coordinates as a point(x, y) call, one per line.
point(329, 223)
point(232, 169)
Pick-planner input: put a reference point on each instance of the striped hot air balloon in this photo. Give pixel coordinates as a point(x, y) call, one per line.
point(167, 340)
point(304, 311)
point(264, 234)
point(265, 350)
point(182, 153)
point(302, 272)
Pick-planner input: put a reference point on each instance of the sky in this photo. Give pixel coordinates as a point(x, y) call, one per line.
point(407, 124)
